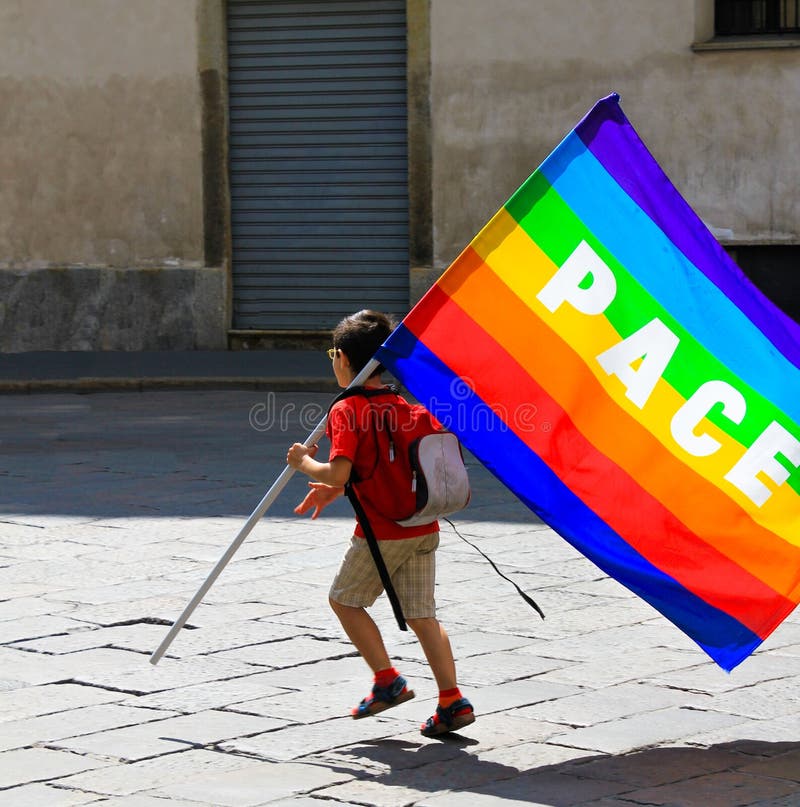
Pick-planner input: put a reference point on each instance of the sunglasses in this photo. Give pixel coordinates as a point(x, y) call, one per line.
point(332, 351)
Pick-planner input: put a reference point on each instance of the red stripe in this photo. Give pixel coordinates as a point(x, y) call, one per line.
point(634, 514)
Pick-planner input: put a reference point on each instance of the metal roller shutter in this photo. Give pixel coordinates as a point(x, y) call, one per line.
point(318, 160)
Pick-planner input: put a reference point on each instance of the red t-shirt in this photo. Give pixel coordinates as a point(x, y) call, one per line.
point(350, 435)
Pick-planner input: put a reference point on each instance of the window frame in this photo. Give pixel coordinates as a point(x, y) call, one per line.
point(706, 39)
point(741, 18)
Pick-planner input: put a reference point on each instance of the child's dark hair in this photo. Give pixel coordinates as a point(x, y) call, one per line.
point(360, 335)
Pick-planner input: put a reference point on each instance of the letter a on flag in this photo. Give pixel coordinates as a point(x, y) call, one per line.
point(666, 441)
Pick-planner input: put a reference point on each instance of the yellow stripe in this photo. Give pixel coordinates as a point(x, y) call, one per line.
point(525, 269)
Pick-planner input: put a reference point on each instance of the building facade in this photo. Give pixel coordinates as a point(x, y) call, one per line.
point(196, 174)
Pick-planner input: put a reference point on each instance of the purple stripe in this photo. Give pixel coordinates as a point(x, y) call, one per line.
point(608, 134)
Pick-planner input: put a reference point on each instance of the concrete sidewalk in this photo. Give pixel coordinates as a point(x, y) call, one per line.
point(115, 506)
point(93, 371)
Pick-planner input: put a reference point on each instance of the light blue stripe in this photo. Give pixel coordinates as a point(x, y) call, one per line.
point(668, 276)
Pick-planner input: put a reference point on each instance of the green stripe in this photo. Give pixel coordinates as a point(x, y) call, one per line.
point(554, 227)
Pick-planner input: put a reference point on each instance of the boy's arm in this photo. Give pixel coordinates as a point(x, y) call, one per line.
point(335, 473)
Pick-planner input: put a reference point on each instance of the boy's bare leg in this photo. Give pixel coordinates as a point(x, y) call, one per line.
point(366, 638)
point(364, 634)
point(436, 646)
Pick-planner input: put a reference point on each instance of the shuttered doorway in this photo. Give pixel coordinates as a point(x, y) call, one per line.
point(318, 160)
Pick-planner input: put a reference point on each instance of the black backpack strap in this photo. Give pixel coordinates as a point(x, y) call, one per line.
point(372, 542)
point(366, 392)
point(349, 490)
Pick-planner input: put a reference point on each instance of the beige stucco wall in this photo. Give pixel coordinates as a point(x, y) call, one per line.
point(102, 176)
point(100, 129)
point(509, 78)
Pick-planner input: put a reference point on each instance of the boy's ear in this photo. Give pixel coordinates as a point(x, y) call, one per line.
point(345, 358)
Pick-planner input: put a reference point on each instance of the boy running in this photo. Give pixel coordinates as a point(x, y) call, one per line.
point(408, 552)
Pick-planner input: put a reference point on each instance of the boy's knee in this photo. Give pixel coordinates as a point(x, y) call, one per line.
point(422, 623)
point(338, 608)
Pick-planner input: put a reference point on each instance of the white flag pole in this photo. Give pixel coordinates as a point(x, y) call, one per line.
point(277, 486)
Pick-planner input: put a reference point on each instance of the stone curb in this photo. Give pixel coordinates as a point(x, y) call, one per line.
point(105, 384)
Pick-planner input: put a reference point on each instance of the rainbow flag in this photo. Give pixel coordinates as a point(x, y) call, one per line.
point(599, 352)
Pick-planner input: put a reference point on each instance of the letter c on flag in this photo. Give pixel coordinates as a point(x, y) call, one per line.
point(692, 412)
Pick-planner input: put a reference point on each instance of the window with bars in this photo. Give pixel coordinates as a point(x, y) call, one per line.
point(749, 17)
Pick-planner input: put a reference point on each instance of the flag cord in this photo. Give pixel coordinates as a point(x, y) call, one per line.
point(521, 593)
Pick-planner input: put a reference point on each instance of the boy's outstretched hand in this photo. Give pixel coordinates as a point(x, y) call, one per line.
point(319, 497)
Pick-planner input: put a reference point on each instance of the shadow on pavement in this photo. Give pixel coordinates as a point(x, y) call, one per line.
point(744, 772)
point(189, 453)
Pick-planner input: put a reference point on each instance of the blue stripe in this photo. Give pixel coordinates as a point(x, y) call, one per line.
point(665, 272)
point(725, 639)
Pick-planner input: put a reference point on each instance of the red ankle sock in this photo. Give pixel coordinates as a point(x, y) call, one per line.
point(448, 696)
point(385, 677)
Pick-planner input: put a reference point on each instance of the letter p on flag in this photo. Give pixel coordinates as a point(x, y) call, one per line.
point(568, 285)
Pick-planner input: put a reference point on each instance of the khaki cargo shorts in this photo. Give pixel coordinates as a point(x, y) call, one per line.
point(412, 568)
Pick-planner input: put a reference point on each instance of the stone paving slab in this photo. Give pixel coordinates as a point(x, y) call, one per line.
point(246, 640)
point(299, 741)
point(140, 677)
point(27, 607)
point(345, 677)
point(264, 784)
point(770, 699)
point(165, 735)
point(228, 693)
point(163, 608)
point(49, 729)
point(503, 666)
point(28, 765)
point(473, 799)
point(558, 788)
point(162, 771)
point(33, 701)
point(301, 706)
point(28, 668)
point(413, 785)
point(143, 800)
point(663, 765)
point(588, 708)
point(720, 790)
point(599, 671)
point(44, 795)
point(369, 758)
point(310, 801)
point(528, 756)
point(137, 637)
point(513, 695)
point(288, 652)
point(783, 766)
point(641, 730)
point(777, 730)
point(759, 668)
point(39, 627)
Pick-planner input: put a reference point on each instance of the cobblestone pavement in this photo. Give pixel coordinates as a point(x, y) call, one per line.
point(115, 506)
